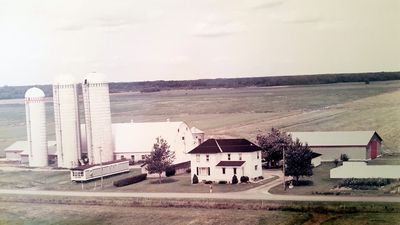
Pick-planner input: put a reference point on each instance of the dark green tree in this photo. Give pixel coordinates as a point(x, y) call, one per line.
point(235, 179)
point(160, 158)
point(195, 179)
point(298, 158)
point(273, 144)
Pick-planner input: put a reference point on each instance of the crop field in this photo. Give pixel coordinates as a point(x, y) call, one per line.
point(245, 112)
point(25, 213)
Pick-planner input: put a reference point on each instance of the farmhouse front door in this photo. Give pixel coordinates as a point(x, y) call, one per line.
point(374, 149)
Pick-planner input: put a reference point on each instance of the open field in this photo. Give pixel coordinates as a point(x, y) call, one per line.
point(244, 112)
point(25, 213)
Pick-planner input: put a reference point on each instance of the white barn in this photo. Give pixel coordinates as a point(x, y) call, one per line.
point(133, 141)
point(219, 159)
point(357, 145)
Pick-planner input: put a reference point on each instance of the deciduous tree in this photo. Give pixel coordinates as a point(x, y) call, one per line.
point(160, 158)
point(273, 144)
point(298, 158)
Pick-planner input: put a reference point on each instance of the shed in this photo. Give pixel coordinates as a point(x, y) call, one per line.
point(357, 145)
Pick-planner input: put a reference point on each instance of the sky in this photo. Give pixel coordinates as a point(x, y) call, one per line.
point(131, 40)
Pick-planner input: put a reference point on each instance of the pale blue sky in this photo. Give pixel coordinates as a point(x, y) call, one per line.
point(186, 39)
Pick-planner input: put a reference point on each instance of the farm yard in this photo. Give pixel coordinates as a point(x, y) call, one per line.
point(244, 112)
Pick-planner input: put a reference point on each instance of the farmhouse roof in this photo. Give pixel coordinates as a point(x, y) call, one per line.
point(231, 163)
point(84, 167)
point(315, 155)
point(225, 145)
point(336, 138)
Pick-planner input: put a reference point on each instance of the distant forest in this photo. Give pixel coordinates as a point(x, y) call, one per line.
point(10, 92)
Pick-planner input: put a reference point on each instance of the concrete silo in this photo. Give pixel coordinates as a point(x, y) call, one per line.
point(97, 118)
point(67, 123)
point(36, 127)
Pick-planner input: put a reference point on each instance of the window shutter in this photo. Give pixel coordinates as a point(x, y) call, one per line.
point(209, 171)
point(197, 171)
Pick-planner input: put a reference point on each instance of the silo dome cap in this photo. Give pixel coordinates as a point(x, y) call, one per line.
point(95, 78)
point(34, 93)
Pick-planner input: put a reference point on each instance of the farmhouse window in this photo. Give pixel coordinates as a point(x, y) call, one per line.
point(229, 156)
point(197, 158)
point(209, 171)
point(143, 157)
point(183, 138)
point(204, 171)
point(197, 171)
point(255, 167)
point(258, 155)
point(234, 171)
point(223, 170)
point(207, 158)
point(240, 156)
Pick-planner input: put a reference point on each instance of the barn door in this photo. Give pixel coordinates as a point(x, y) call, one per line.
point(374, 149)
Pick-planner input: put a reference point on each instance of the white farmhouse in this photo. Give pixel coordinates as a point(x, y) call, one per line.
point(219, 159)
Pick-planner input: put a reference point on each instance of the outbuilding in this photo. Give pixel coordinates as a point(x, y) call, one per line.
point(220, 159)
point(357, 145)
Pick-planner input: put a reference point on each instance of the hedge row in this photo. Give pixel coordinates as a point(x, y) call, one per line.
point(364, 183)
point(130, 180)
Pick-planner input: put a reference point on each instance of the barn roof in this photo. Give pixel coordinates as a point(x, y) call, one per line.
point(23, 147)
point(140, 137)
point(225, 145)
point(335, 138)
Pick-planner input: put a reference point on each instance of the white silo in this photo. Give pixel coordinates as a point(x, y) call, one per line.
point(67, 123)
point(96, 99)
point(36, 127)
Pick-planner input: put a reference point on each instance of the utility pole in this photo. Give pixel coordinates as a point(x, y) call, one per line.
point(101, 165)
point(283, 168)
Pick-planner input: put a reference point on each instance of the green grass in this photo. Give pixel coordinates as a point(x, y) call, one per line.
point(244, 112)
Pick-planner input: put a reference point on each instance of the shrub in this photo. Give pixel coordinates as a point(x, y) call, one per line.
point(130, 180)
point(344, 157)
point(261, 177)
point(195, 179)
point(244, 179)
point(336, 162)
point(188, 170)
point(222, 182)
point(208, 182)
point(170, 171)
point(234, 179)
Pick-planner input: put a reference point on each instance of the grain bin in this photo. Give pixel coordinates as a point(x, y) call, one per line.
point(36, 127)
point(67, 123)
point(97, 118)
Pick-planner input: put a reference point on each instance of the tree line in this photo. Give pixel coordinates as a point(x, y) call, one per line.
point(10, 92)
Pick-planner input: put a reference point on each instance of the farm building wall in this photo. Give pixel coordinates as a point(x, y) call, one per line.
point(13, 155)
point(316, 161)
point(332, 153)
point(362, 170)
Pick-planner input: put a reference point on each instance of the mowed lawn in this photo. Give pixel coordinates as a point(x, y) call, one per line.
point(60, 180)
point(245, 112)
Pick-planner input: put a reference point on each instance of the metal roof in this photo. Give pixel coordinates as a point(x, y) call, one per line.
point(335, 138)
point(23, 147)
